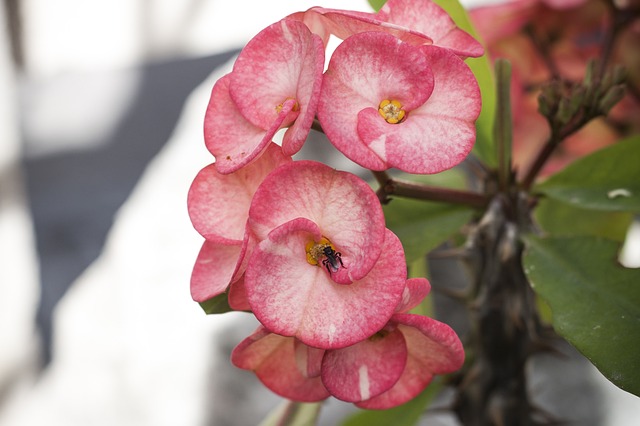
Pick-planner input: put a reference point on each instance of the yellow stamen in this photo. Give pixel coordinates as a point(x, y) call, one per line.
point(279, 107)
point(391, 111)
point(315, 250)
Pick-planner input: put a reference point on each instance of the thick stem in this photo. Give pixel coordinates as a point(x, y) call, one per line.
point(492, 387)
point(402, 188)
point(503, 126)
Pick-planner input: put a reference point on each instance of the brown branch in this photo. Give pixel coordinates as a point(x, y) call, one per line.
point(403, 188)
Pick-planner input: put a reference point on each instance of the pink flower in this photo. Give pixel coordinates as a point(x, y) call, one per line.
point(345, 23)
point(219, 207)
point(397, 363)
point(382, 371)
point(419, 22)
point(385, 103)
point(425, 16)
point(285, 365)
point(274, 84)
point(325, 269)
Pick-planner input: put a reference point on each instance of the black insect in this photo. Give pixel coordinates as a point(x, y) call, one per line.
point(333, 259)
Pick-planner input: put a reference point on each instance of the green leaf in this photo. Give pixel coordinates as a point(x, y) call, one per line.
point(608, 179)
point(291, 413)
point(377, 4)
point(404, 415)
point(484, 147)
point(595, 301)
point(216, 305)
point(561, 219)
point(423, 225)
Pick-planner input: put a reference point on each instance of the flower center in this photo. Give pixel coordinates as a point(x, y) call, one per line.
point(295, 108)
point(391, 111)
point(324, 253)
point(379, 335)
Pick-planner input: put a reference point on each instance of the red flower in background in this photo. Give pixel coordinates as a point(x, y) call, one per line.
point(554, 39)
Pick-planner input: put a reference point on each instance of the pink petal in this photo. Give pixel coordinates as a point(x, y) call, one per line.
point(233, 140)
point(437, 135)
point(494, 22)
point(563, 4)
point(428, 18)
point(218, 267)
point(308, 359)
point(315, 22)
point(415, 290)
point(291, 297)
point(344, 207)
point(283, 62)
point(433, 348)
point(433, 342)
point(345, 23)
point(366, 369)
point(393, 70)
point(219, 204)
point(214, 269)
point(274, 359)
point(237, 295)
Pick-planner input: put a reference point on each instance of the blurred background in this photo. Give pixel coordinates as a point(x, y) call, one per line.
point(100, 136)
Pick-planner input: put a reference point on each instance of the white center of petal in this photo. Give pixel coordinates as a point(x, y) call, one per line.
point(332, 332)
point(391, 111)
point(363, 382)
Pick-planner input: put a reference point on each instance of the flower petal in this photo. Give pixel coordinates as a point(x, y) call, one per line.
point(214, 269)
point(233, 140)
point(219, 204)
point(441, 132)
point(344, 207)
point(366, 369)
point(291, 297)
point(364, 70)
point(237, 295)
point(415, 290)
point(433, 348)
point(427, 17)
point(433, 342)
point(309, 359)
point(283, 62)
point(274, 359)
point(345, 23)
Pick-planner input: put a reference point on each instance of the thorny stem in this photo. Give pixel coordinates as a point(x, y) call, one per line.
point(507, 331)
point(403, 188)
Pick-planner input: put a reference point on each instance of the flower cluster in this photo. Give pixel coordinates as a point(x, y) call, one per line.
point(304, 247)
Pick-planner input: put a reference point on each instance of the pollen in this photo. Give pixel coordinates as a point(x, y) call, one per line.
point(391, 111)
point(279, 107)
point(315, 251)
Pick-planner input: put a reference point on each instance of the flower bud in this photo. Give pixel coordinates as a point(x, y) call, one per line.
point(577, 98)
point(564, 113)
point(611, 98)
